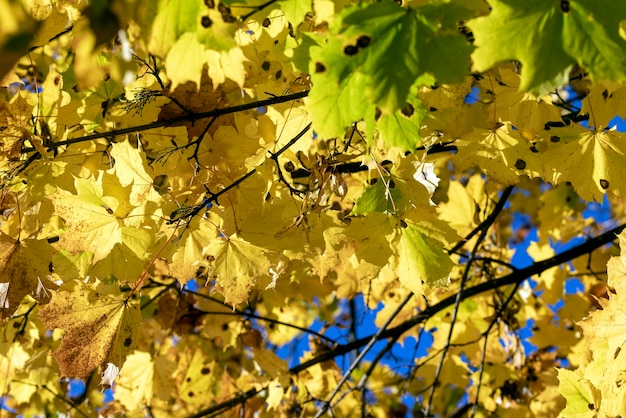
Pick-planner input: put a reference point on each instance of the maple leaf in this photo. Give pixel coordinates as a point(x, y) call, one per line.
point(592, 161)
point(172, 20)
point(380, 36)
point(24, 268)
point(525, 111)
point(89, 216)
point(334, 106)
point(131, 170)
point(295, 10)
point(598, 379)
point(186, 257)
point(97, 102)
point(421, 258)
point(583, 399)
point(235, 264)
point(547, 37)
point(128, 258)
point(501, 153)
point(378, 197)
point(189, 50)
point(14, 117)
point(142, 378)
point(603, 103)
point(402, 128)
point(551, 281)
point(201, 378)
point(98, 329)
point(315, 230)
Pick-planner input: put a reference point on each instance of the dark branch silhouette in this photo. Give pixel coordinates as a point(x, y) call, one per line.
point(513, 278)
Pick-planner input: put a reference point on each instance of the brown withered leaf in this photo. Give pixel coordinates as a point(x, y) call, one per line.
point(98, 329)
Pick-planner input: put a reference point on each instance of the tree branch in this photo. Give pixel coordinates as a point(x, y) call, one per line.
point(484, 228)
point(515, 277)
point(180, 119)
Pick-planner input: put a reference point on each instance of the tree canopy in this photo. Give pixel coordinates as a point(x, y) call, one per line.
point(312, 208)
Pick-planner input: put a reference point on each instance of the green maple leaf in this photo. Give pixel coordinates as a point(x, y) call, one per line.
point(333, 106)
point(392, 46)
point(402, 128)
point(579, 392)
point(379, 50)
point(376, 198)
point(172, 20)
point(548, 37)
point(295, 10)
point(421, 258)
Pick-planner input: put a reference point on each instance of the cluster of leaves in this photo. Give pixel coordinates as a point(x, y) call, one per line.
point(188, 186)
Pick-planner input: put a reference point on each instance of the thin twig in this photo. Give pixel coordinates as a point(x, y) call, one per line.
point(211, 197)
point(484, 351)
point(178, 120)
point(373, 340)
point(483, 233)
point(514, 277)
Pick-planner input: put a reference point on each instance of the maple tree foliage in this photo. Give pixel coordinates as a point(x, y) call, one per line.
point(202, 202)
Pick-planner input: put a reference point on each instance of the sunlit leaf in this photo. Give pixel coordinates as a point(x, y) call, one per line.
point(98, 329)
point(555, 35)
point(421, 259)
point(235, 264)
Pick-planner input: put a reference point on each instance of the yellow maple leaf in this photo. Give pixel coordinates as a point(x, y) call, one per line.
point(583, 397)
point(14, 118)
point(552, 281)
point(235, 264)
point(184, 62)
point(91, 223)
point(24, 267)
point(131, 170)
point(420, 258)
point(128, 258)
point(599, 379)
point(98, 329)
point(502, 154)
point(201, 379)
point(527, 112)
point(186, 255)
point(134, 386)
point(592, 161)
point(271, 364)
point(603, 103)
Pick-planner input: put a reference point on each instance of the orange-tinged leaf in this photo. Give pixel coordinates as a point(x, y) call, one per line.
point(98, 329)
